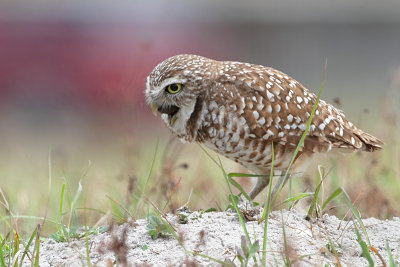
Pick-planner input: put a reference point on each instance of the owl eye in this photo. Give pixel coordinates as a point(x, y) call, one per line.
point(174, 88)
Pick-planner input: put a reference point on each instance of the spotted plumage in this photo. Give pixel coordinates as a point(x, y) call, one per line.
point(240, 110)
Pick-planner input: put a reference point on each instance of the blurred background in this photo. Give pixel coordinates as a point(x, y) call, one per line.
point(72, 76)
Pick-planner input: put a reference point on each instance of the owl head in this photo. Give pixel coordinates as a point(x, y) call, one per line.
point(175, 87)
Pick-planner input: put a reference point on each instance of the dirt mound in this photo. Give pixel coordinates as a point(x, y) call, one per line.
point(218, 235)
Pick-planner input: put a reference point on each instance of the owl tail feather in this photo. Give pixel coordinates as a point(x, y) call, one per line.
point(370, 143)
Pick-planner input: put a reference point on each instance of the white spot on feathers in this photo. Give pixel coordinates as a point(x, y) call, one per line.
point(302, 127)
point(256, 115)
point(270, 96)
point(299, 99)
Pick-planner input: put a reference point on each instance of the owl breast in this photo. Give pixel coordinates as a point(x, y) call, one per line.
point(224, 129)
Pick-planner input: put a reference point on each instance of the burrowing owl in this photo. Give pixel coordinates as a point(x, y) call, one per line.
point(240, 110)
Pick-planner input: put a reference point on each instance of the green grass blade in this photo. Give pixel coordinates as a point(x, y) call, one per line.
point(238, 187)
point(239, 174)
point(62, 199)
point(5, 220)
point(286, 260)
point(31, 218)
point(37, 247)
point(15, 249)
point(298, 197)
point(314, 205)
point(333, 249)
point(337, 192)
point(364, 248)
point(267, 209)
point(28, 245)
point(290, 189)
point(355, 213)
point(314, 201)
point(2, 261)
point(209, 155)
point(73, 203)
point(36, 264)
point(147, 180)
point(93, 209)
point(391, 260)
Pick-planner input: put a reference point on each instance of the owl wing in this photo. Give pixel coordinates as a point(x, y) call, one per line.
point(277, 108)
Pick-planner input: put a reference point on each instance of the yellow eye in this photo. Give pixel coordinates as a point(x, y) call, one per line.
point(174, 88)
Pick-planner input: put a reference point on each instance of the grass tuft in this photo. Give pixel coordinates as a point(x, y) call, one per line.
point(157, 227)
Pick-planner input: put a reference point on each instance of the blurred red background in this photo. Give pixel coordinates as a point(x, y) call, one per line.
point(74, 63)
point(77, 54)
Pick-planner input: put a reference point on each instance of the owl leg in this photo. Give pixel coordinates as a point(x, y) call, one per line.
point(261, 183)
point(278, 184)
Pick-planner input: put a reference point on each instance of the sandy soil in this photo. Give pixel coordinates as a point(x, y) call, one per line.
point(218, 235)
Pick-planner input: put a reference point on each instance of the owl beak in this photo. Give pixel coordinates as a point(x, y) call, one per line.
point(169, 110)
point(154, 108)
